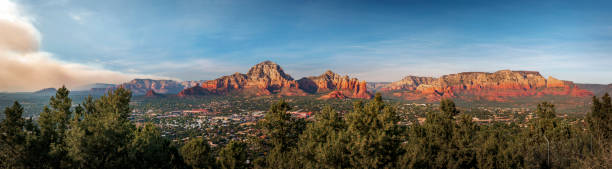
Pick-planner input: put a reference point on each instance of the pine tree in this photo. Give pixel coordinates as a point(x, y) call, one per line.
point(53, 122)
point(282, 135)
point(197, 154)
point(101, 133)
point(233, 156)
point(546, 110)
point(374, 135)
point(599, 119)
point(322, 144)
point(12, 138)
point(599, 122)
point(149, 149)
point(448, 107)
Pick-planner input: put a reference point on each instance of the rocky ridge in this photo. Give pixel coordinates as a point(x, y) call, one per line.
point(142, 86)
point(152, 93)
point(490, 86)
point(330, 81)
point(268, 78)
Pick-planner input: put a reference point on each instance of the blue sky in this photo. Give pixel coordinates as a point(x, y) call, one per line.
point(372, 40)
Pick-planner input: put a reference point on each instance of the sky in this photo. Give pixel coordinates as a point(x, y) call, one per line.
point(47, 43)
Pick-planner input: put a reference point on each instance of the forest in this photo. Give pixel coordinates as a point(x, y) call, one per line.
point(97, 133)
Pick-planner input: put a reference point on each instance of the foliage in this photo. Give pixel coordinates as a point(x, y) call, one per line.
point(197, 154)
point(98, 133)
point(282, 135)
point(12, 137)
point(233, 156)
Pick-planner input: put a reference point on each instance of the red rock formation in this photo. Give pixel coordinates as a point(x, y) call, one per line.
point(408, 82)
point(226, 83)
point(152, 93)
point(491, 86)
point(268, 78)
point(142, 86)
point(265, 78)
point(268, 75)
point(334, 95)
point(330, 81)
point(194, 91)
point(552, 82)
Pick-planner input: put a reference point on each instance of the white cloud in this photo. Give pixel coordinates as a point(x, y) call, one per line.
point(23, 67)
point(75, 17)
point(79, 17)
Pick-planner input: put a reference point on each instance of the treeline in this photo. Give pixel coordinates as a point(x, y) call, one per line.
point(98, 134)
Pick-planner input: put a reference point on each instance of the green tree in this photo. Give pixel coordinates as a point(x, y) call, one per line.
point(463, 148)
point(233, 156)
point(442, 141)
point(599, 120)
point(496, 146)
point(149, 149)
point(374, 135)
point(448, 106)
point(101, 133)
point(546, 110)
point(53, 123)
point(282, 135)
point(12, 138)
point(551, 142)
point(197, 154)
point(599, 123)
point(322, 144)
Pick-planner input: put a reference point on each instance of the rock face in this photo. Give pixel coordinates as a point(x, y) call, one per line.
point(409, 82)
point(330, 81)
point(268, 78)
point(490, 86)
point(334, 95)
point(271, 79)
point(194, 91)
point(152, 94)
point(265, 78)
point(141, 86)
point(225, 84)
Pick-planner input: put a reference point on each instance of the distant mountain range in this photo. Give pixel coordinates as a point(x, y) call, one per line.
point(46, 92)
point(268, 78)
point(597, 89)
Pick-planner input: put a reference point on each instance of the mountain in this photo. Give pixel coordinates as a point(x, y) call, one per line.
point(330, 81)
point(597, 89)
point(152, 94)
point(497, 86)
point(334, 95)
point(95, 86)
point(265, 78)
point(268, 78)
point(375, 86)
point(142, 86)
point(46, 91)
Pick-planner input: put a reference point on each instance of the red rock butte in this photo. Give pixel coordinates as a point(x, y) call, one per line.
point(268, 78)
point(491, 86)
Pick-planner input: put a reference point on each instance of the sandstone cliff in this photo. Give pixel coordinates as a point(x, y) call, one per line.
point(265, 78)
point(194, 91)
point(142, 86)
point(491, 86)
point(152, 94)
point(334, 95)
point(330, 81)
point(268, 78)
